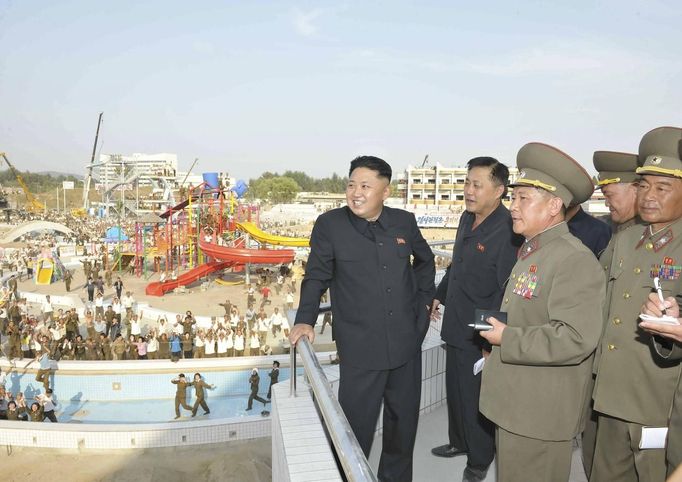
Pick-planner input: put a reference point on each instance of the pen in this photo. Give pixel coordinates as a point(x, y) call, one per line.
point(657, 285)
point(480, 326)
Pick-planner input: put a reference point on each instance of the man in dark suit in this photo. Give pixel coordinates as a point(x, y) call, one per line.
point(380, 304)
point(483, 256)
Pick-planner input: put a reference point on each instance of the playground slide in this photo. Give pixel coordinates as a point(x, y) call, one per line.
point(44, 273)
point(263, 237)
point(244, 255)
point(159, 288)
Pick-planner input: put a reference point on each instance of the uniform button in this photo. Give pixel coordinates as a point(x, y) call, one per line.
point(616, 321)
point(388, 290)
point(380, 243)
point(385, 267)
point(506, 300)
point(513, 276)
point(649, 246)
point(390, 313)
point(638, 270)
point(606, 268)
point(626, 295)
point(612, 347)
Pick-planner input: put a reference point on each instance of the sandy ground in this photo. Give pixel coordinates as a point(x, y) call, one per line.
point(240, 461)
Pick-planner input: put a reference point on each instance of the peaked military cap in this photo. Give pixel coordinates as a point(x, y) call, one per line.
point(614, 167)
point(541, 165)
point(661, 150)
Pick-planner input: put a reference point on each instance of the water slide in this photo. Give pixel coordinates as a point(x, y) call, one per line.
point(263, 237)
point(32, 226)
point(159, 288)
point(44, 270)
point(244, 255)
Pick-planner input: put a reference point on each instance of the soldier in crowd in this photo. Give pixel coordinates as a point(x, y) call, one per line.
point(90, 287)
point(536, 377)
point(68, 277)
point(181, 394)
point(199, 385)
point(618, 182)
point(634, 390)
point(45, 367)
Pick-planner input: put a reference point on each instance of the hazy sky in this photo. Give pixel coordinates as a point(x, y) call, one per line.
point(253, 86)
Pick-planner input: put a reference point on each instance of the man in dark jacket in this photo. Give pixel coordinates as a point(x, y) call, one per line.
point(380, 272)
point(483, 256)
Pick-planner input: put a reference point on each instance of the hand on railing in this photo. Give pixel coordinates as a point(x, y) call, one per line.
point(300, 330)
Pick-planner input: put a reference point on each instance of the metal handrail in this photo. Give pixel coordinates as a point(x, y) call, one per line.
point(353, 461)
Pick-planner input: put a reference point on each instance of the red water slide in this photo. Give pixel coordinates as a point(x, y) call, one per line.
point(244, 255)
point(159, 288)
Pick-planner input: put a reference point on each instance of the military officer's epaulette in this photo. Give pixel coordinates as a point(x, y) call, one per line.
point(528, 248)
point(657, 245)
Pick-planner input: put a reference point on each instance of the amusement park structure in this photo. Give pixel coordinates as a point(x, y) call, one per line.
point(208, 232)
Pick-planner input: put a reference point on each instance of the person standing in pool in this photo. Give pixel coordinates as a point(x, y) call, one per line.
point(181, 394)
point(199, 386)
point(254, 380)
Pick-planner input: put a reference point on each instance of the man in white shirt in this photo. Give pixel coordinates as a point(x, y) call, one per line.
point(47, 309)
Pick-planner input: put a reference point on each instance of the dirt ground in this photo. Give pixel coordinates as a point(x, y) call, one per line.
point(240, 461)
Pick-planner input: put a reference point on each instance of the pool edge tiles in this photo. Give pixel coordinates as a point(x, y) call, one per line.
point(131, 436)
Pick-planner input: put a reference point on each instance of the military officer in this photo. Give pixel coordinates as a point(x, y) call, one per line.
point(618, 182)
point(536, 378)
point(633, 389)
point(668, 345)
point(483, 256)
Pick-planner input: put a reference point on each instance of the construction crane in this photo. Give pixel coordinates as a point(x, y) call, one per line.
point(32, 204)
point(82, 212)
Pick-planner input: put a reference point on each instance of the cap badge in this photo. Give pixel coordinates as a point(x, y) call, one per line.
point(656, 161)
point(522, 174)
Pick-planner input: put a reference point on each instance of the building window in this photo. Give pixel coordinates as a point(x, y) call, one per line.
point(459, 180)
point(431, 196)
point(459, 197)
point(416, 196)
point(445, 197)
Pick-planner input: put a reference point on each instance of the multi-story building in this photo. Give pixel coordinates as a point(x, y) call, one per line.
point(436, 187)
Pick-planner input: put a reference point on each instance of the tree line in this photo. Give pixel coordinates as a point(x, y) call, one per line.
point(37, 183)
point(283, 188)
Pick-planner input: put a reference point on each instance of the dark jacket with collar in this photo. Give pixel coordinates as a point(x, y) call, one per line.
point(379, 293)
point(481, 262)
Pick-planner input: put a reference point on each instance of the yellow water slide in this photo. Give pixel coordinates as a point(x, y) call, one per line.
point(45, 267)
point(263, 237)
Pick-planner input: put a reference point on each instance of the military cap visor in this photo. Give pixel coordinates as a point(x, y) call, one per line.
point(546, 167)
point(615, 167)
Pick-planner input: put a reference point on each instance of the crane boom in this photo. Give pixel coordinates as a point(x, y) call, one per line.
point(32, 203)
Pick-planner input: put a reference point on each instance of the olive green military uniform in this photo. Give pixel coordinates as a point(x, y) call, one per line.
point(535, 383)
point(67, 280)
point(199, 392)
point(633, 389)
point(612, 168)
point(181, 395)
point(674, 447)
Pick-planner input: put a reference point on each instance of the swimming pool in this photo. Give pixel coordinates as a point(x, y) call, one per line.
point(141, 391)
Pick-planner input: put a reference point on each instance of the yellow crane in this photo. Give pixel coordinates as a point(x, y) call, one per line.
point(32, 204)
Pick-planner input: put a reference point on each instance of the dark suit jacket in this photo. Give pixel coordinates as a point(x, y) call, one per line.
point(481, 262)
point(379, 294)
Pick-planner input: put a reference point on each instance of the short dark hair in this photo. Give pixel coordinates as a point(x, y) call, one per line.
point(276, 363)
point(499, 173)
point(382, 168)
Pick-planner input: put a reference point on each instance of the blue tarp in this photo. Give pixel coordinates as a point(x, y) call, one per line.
point(113, 233)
